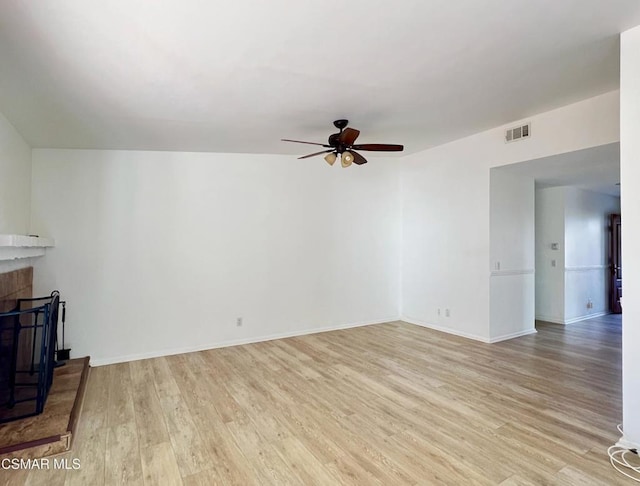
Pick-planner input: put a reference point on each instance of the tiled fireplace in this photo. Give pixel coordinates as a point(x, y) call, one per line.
point(13, 286)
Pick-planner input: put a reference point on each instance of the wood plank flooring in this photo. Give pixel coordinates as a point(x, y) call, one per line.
point(384, 404)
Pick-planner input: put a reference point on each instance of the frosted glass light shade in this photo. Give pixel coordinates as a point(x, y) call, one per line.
point(331, 158)
point(347, 159)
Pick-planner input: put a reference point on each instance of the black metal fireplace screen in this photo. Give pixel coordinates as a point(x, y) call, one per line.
point(27, 356)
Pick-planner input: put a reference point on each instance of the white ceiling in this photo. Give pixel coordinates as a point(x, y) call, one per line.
point(595, 169)
point(236, 76)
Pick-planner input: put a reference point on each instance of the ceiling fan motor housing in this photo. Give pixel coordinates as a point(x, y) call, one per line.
point(334, 137)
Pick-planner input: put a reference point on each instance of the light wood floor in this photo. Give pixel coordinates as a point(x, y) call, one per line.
point(385, 404)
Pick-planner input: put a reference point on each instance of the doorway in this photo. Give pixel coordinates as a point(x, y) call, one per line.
point(572, 262)
point(615, 263)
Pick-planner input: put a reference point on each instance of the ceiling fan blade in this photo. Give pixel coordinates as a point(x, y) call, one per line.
point(379, 147)
point(348, 136)
point(358, 159)
point(313, 155)
point(308, 143)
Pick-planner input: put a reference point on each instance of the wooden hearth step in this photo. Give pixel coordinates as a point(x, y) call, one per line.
point(52, 431)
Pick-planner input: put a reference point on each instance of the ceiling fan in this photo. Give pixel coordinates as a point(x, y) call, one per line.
point(342, 144)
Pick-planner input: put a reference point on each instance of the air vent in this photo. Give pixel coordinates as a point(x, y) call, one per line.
point(518, 133)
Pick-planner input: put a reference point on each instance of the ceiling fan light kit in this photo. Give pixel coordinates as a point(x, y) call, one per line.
point(342, 144)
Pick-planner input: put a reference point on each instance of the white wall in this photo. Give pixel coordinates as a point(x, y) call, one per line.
point(15, 180)
point(630, 178)
point(446, 205)
point(586, 218)
point(512, 254)
point(549, 230)
point(15, 187)
point(160, 252)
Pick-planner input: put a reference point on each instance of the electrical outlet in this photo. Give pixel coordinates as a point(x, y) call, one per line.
point(438, 311)
point(589, 304)
point(553, 263)
point(239, 321)
point(447, 313)
point(497, 265)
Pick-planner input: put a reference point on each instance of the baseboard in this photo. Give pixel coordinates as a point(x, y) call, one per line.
point(233, 342)
point(585, 317)
point(513, 335)
point(555, 320)
point(447, 330)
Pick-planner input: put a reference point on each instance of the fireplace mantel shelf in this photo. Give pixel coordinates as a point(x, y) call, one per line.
point(14, 247)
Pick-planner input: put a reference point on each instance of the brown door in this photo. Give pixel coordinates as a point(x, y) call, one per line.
point(615, 262)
